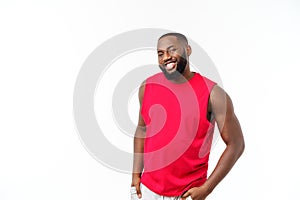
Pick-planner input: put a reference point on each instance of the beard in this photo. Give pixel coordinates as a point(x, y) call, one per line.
point(181, 64)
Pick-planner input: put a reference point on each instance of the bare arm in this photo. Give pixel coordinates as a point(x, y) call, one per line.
point(139, 137)
point(231, 134)
point(222, 108)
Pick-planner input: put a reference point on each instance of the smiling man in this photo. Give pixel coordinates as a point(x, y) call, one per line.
point(178, 112)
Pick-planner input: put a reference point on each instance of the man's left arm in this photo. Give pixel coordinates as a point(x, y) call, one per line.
point(221, 107)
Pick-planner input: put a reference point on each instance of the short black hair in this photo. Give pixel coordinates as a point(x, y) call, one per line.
point(179, 36)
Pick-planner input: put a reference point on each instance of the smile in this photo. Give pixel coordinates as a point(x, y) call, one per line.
point(171, 65)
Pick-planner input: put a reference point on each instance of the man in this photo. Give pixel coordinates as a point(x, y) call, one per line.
point(178, 111)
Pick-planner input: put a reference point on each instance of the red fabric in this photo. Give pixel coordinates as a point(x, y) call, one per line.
point(178, 135)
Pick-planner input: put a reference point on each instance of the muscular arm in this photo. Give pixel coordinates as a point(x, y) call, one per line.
point(221, 107)
point(139, 137)
point(231, 133)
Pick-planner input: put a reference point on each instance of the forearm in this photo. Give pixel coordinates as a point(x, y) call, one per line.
point(138, 159)
point(224, 165)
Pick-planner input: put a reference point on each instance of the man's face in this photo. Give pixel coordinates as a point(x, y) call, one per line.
point(172, 57)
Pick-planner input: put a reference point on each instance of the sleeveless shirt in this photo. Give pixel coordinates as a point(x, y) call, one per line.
point(178, 134)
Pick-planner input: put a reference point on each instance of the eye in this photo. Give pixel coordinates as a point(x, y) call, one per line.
point(172, 50)
point(160, 54)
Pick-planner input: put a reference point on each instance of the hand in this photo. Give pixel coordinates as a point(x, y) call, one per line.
point(136, 182)
point(196, 193)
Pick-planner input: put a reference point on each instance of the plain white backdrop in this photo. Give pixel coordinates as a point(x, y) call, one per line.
point(43, 44)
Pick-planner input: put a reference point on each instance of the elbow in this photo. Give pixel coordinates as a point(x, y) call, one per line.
point(241, 147)
point(237, 148)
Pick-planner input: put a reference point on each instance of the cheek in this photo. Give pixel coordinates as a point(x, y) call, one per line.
point(177, 56)
point(160, 60)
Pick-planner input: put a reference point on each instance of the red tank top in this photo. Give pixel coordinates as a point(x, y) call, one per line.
point(178, 134)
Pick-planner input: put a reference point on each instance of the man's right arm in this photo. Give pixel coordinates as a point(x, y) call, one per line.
point(139, 137)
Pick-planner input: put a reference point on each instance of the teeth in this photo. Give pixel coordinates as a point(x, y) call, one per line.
point(170, 66)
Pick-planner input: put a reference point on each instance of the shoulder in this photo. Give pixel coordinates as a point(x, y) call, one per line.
point(155, 77)
point(220, 101)
point(206, 82)
point(218, 93)
point(142, 90)
point(210, 83)
point(151, 79)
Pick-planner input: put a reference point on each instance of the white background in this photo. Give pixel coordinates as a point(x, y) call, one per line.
point(43, 44)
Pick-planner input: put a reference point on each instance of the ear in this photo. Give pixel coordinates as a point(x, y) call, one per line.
point(188, 50)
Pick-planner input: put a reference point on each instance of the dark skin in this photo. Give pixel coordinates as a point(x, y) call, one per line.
point(220, 106)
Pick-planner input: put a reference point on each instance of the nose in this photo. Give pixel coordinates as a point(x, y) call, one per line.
point(167, 56)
